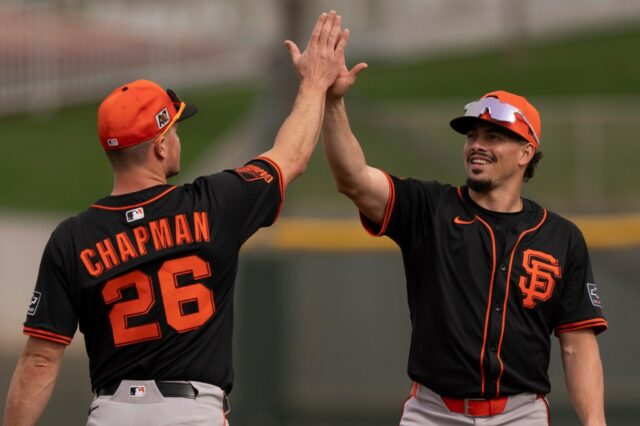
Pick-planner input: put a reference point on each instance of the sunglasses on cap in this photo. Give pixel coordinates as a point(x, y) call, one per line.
point(180, 106)
point(499, 111)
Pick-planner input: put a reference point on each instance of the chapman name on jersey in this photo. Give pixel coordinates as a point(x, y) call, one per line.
point(155, 235)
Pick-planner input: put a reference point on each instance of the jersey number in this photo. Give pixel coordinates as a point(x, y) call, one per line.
point(176, 300)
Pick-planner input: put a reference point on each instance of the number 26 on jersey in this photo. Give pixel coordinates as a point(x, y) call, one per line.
point(177, 300)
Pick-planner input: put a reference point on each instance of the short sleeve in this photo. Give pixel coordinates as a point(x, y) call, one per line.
point(409, 212)
point(51, 314)
point(249, 197)
point(580, 305)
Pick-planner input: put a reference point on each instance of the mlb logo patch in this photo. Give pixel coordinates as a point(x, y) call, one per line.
point(135, 214)
point(162, 118)
point(137, 391)
point(593, 295)
point(112, 142)
point(33, 305)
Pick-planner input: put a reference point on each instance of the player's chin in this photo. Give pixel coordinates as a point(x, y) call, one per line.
point(479, 172)
point(480, 185)
point(173, 172)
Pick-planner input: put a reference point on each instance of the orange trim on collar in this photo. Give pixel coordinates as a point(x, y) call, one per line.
point(133, 206)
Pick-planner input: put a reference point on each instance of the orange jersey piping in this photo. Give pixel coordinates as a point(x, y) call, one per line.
point(581, 325)
point(133, 206)
point(280, 183)
point(388, 210)
point(506, 295)
point(486, 318)
point(47, 335)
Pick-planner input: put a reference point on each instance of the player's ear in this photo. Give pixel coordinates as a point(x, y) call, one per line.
point(526, 153)
point(160, 148)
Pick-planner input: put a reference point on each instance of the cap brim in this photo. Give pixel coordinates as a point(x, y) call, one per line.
point(188, 111)
point(463, 124)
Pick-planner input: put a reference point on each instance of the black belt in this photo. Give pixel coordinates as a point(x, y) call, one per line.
point(167, 389)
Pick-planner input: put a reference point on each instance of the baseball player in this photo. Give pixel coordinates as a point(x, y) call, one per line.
point(148, 272)
point(490, 275)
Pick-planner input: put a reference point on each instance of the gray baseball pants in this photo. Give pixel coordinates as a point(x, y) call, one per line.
point(426, 408)
point(151, 408)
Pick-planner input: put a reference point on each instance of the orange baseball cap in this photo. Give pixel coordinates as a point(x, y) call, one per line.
point(138, 112)
point(504, 109)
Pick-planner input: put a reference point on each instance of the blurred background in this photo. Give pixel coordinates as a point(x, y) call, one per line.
point(322, 326)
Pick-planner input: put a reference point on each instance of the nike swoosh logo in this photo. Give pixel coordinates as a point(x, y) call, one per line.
point(93, 408)
point(459, 221)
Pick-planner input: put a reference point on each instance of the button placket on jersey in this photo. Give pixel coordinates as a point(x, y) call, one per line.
point(492, 367)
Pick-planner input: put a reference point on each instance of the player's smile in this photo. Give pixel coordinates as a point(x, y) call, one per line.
point(478, 161)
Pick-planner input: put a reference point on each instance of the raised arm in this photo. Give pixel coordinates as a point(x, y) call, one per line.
point(33, 382)
point(366, 186)
point(583, 375)
point(317, 68)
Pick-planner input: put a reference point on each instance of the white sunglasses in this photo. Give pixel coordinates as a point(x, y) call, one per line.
point(498, 110)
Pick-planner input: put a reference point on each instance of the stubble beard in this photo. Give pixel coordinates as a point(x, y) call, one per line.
point(481, 186)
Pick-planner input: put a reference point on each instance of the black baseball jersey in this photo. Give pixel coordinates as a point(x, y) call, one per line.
point(149, 276)
point(486, 289)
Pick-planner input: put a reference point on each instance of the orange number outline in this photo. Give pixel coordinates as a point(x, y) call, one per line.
point(174, 298)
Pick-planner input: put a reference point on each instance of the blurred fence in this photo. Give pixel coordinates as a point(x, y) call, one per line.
point(56, 53)
point(65, 51)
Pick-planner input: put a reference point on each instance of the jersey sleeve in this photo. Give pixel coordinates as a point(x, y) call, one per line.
point(580, 305)
point(409, 211)
point(249, 197)
point(51, 314)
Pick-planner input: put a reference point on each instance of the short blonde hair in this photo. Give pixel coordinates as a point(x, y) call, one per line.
point(131, 156)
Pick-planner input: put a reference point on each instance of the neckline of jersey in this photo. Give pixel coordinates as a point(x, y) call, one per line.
point(133, 199)
point(507, 217)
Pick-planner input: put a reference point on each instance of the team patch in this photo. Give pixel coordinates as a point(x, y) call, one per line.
point(593, 295)
point(542, 270)
point(251, 172)
point(137, 391)
point(135, 214)
point(112, 142)
point(162, 118)
point(35, 301)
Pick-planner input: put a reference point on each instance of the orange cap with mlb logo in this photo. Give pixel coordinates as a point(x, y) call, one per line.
point(526, 121)
point(137, 112)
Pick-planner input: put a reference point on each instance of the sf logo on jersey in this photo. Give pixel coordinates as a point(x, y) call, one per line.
point(542, 271)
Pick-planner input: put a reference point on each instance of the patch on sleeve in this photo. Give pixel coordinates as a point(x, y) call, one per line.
point(33, 305)
point(593, 295)
point(251, 172)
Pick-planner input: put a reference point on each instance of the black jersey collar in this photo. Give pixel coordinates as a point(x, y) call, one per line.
point(133, 199)
point(530, 212)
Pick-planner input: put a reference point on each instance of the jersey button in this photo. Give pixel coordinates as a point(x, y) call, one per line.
point(499, 228)
point(497, 307)
point(492, 348)
point(503, 267)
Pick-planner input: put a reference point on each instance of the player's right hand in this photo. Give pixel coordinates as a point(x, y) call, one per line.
point(346, 78)
point(320, 63)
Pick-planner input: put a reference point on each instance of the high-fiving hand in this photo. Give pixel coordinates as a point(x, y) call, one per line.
point(323, 58)
point(346, 78)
